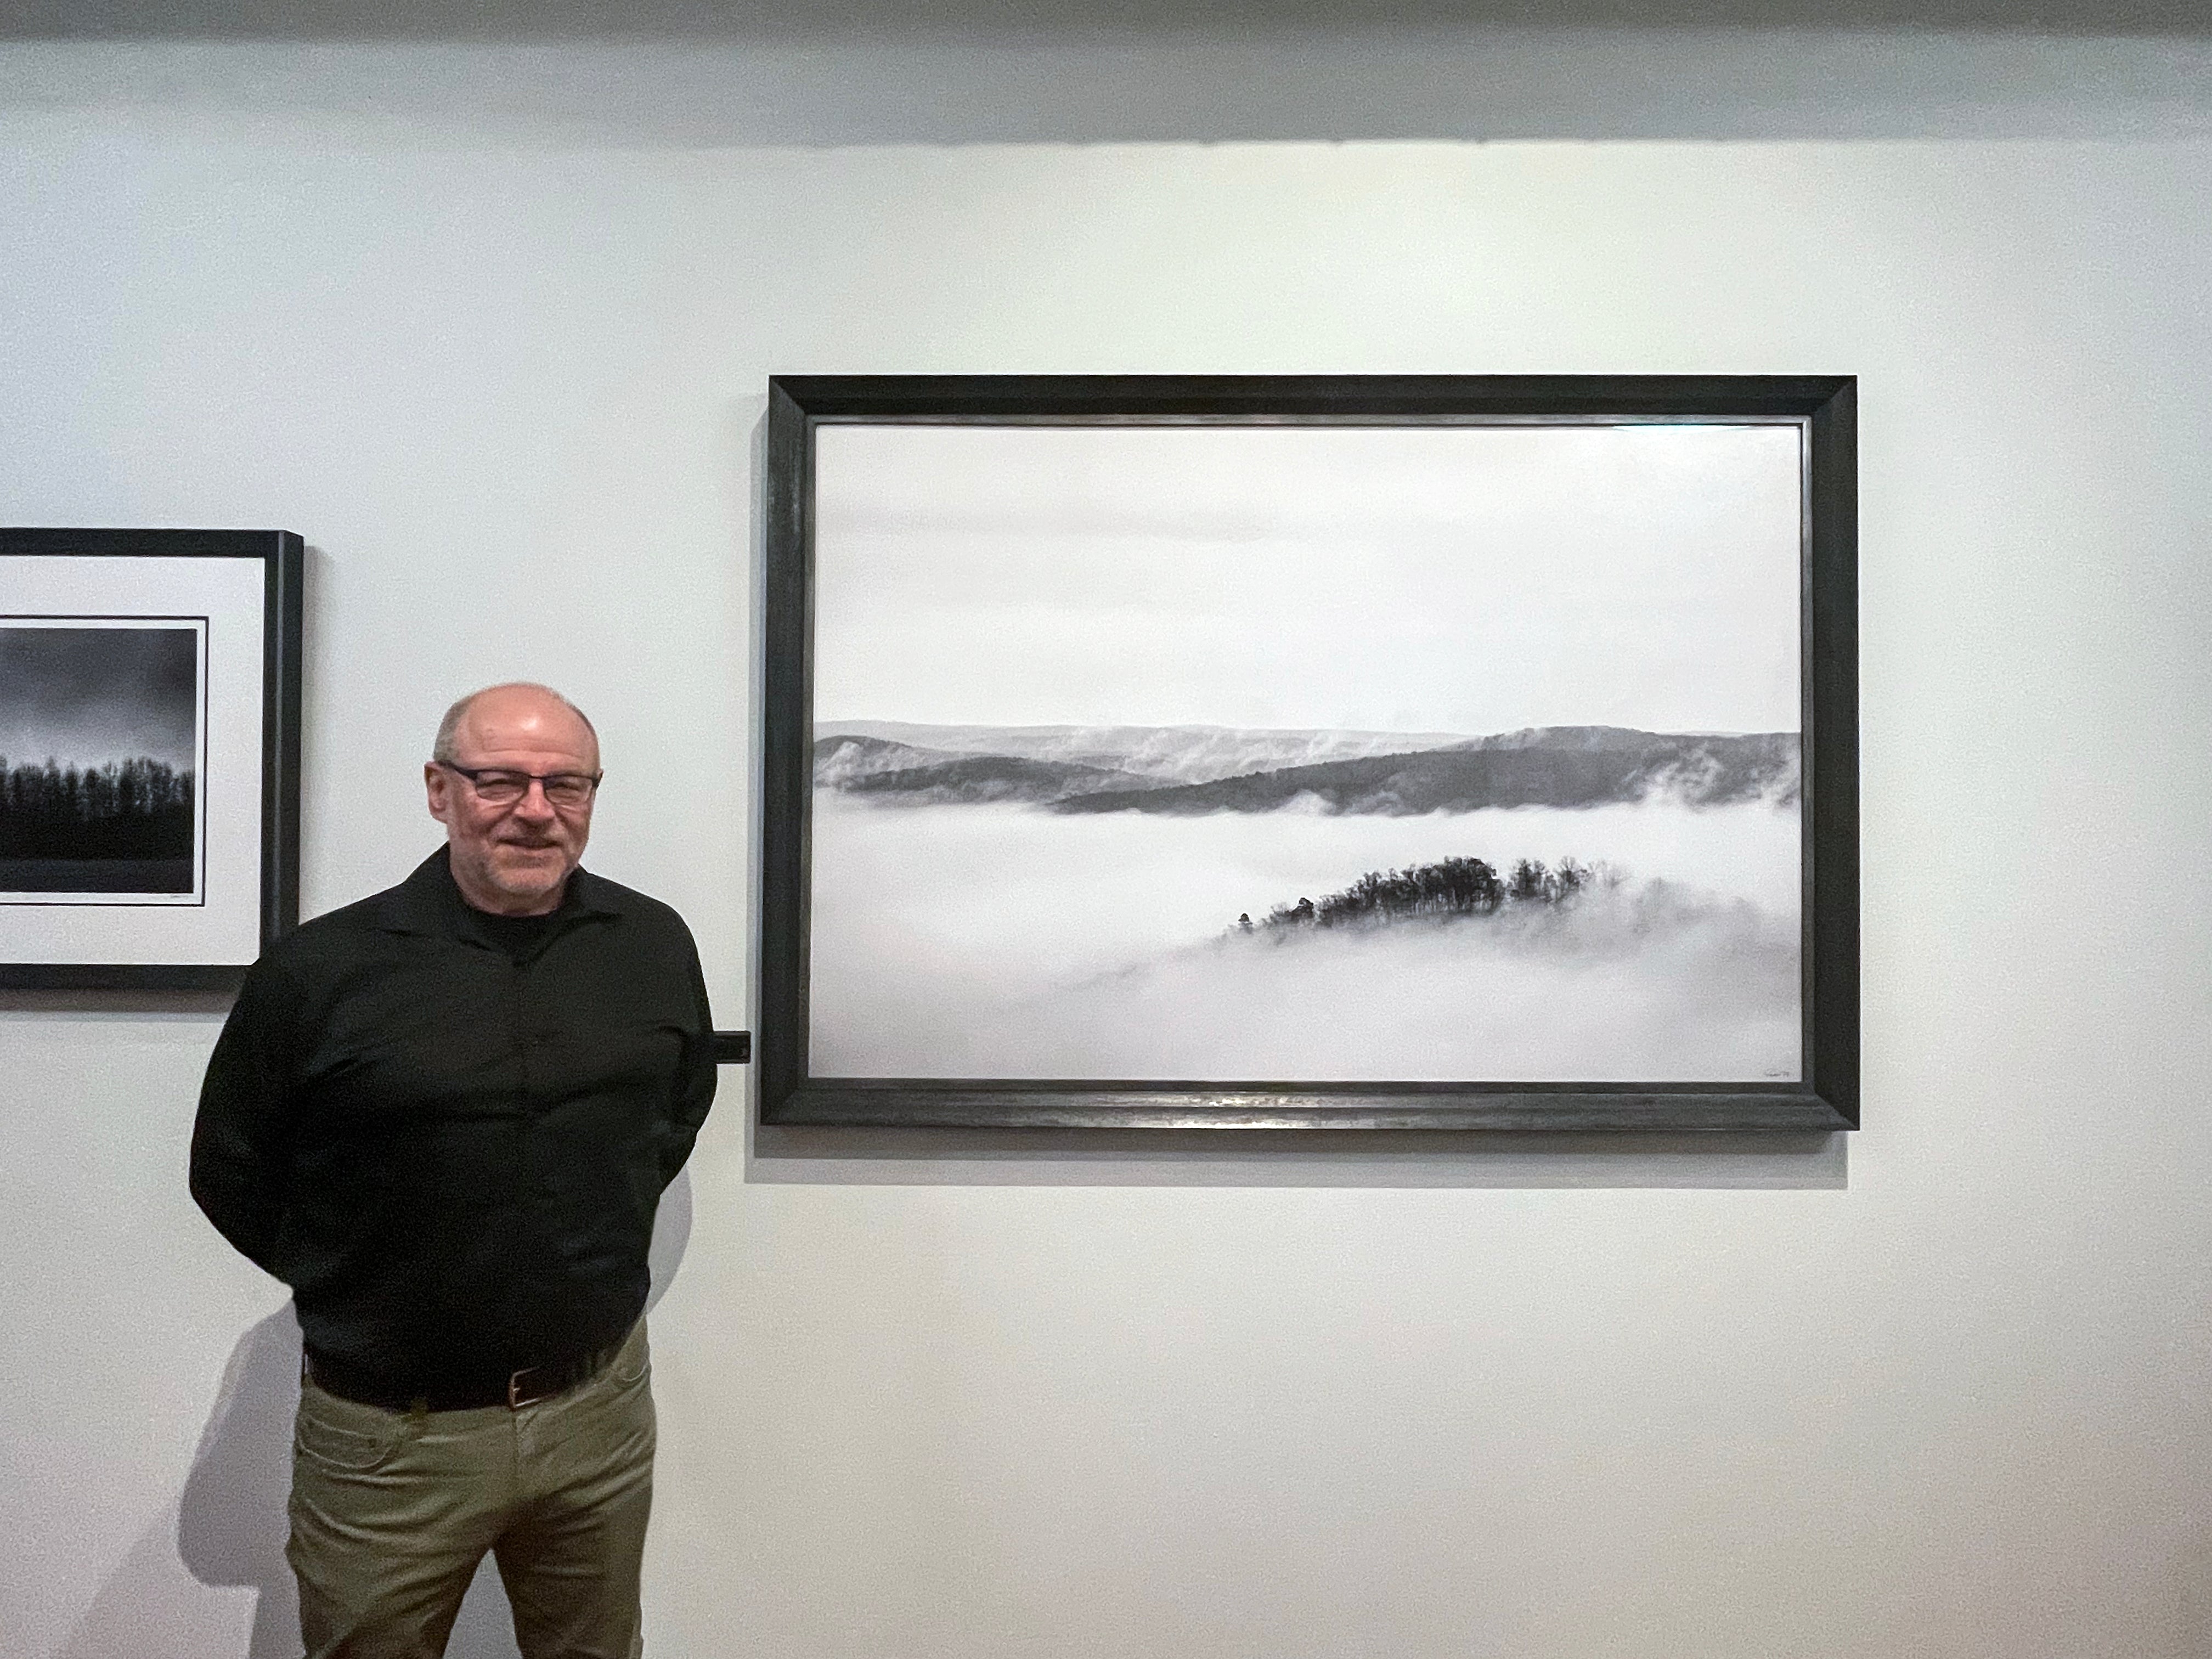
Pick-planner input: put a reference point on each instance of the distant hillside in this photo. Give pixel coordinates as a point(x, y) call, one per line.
point(1559, 766)
point(839, 760)
point(971, 780)
point(1169, 753)
point(1563, 766)
point(1614, 737)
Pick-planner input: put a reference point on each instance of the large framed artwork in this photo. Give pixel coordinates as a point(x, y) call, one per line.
point(149, 755)
point(1332, 753)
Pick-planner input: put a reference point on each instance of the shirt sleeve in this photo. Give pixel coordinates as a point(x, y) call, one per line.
point(694, 1084)
point(241, 1139)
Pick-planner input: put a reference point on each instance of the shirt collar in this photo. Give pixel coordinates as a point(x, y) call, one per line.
point(430, 901)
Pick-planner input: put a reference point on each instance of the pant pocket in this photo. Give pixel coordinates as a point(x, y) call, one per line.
point(342, 1437)
point(635, 1360)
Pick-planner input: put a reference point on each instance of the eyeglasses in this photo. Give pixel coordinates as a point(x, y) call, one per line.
point(496, 786)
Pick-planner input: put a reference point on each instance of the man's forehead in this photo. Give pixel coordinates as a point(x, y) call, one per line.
point(517, 721)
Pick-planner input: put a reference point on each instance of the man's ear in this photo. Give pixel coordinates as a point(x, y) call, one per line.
point(436, 786)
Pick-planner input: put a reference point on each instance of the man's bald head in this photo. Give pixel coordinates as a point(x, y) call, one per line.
point(513, 701)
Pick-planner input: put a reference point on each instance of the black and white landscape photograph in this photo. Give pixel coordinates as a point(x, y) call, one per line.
point(1307, 752)
point(101, 743)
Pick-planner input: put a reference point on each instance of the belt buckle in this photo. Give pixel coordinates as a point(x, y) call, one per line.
point(516, 1398)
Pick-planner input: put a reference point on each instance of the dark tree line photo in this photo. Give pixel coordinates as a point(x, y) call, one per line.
point(98, 738)
point(133, 809)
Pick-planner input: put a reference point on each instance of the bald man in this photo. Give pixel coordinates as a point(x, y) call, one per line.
point(444, 1116)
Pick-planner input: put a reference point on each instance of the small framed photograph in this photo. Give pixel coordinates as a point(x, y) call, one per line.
point(1333, 753)
point(149, 755)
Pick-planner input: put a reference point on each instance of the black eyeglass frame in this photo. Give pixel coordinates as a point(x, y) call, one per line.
point(544, 781)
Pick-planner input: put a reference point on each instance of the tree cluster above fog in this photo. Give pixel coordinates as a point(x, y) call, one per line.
point(1452, 887)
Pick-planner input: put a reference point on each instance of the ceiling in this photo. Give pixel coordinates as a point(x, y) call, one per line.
point(558, 20)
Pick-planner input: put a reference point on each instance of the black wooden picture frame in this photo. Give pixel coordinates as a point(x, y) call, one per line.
point(1824, 1095)
point(241, 592)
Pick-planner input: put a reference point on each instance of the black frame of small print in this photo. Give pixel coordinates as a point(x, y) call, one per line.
point(275, 810)
point(1827, 1097)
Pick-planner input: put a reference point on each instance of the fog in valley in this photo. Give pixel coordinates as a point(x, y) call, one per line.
point(1008, 940)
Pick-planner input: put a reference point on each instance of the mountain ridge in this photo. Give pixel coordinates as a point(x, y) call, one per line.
point(1697, 771)
point(1180, 754)
point(1571, 767)
point(856, 765)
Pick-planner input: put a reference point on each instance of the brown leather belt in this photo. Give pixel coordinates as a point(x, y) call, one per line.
point(526, 1386)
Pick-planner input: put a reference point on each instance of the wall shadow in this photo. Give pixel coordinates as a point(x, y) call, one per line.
point(1445, 79)
point(105, 1005)
point(792, 1155)
point(230, 1516)
point(693, 22)
point(229, 1525)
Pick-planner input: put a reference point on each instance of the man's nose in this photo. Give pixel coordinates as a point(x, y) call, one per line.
point(533, 803)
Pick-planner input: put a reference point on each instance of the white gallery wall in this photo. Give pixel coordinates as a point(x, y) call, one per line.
point(495, 342)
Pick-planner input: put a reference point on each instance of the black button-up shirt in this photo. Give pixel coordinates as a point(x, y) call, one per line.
point(450, 1151)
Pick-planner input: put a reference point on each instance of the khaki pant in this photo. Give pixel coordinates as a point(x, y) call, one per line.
point(392, 1511)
